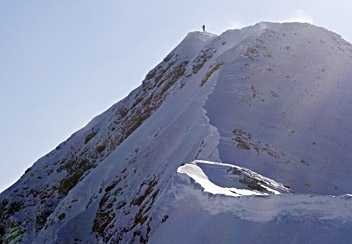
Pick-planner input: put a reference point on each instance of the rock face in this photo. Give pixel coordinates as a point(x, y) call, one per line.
point(227, 130)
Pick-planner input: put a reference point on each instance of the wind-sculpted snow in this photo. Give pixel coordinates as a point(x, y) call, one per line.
point(243, 137)
point(230, 180)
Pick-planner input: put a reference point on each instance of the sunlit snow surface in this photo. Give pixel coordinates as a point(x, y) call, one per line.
point(229, 180)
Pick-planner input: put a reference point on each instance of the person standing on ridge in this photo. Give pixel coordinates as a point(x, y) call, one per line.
point(203, 28)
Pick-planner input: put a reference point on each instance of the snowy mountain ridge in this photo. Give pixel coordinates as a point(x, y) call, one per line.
point(239, 136)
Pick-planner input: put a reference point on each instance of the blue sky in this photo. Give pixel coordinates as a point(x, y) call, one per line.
point(64, 62)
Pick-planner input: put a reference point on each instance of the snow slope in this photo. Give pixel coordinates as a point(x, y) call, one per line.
point(204, 208)
point(253, 219)
point(242, 137)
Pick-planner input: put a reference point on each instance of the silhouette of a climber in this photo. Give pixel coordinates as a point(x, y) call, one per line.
point(203, 27)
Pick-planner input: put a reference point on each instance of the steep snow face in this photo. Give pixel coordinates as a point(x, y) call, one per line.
point(281, 106)
point(221, 127)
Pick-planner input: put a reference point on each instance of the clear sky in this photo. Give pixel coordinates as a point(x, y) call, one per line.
point(63, 62)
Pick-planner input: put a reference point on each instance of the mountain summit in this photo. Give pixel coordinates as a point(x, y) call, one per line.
point(243, 137)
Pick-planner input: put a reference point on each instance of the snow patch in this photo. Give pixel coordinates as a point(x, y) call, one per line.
point(229, 180)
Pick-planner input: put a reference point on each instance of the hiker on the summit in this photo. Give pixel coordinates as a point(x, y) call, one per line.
point(203, 28)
